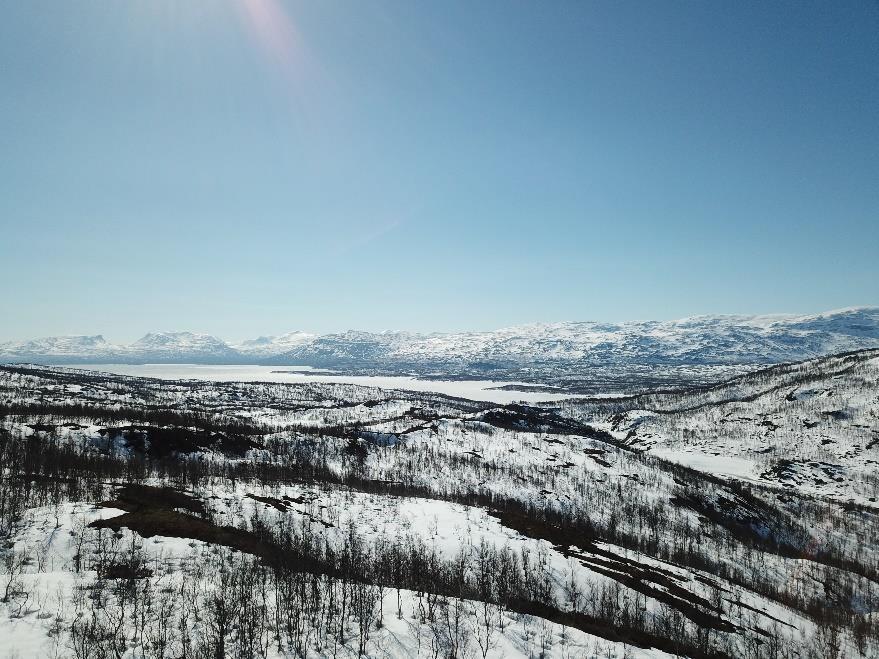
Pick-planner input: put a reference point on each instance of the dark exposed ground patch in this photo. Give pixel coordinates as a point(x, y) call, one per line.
point(42, 427)
point(746, 517)
point(170, 523)
point(134, 498)
point(598, 460)
point(760, 611)
point(125, 571)
point(768, 423)
point(165, 441)
point(278, 504)
point(640, 577)
point(154, 511)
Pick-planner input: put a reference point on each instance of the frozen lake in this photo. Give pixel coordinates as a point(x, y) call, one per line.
point(472, 389)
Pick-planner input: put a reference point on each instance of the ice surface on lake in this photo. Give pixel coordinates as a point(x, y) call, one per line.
point(472, 389)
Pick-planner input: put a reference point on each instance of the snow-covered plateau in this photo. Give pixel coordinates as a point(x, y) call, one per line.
point(146, 517)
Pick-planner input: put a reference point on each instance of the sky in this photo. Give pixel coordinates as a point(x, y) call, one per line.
point(252, 167)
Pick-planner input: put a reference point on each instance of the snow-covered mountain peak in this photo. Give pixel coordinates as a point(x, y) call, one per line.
point(153, 339)
point(571, 346)
point(59, 345)
point(270, 346)
point(181, 346)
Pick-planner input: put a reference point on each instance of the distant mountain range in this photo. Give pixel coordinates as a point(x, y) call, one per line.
point(696, 341)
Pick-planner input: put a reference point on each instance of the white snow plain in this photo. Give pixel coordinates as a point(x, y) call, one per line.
point(484, 390)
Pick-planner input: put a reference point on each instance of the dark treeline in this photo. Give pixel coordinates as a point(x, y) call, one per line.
point(51, 413)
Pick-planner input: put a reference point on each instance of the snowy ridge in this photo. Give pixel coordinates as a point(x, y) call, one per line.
point(270, 346)
point(62, 346)
point(699, 340)
point(184, 346)
point(810, 426)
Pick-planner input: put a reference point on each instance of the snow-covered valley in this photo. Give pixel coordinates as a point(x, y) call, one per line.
point(485, 390)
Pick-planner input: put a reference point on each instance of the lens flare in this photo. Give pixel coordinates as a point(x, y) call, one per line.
point(277, 36)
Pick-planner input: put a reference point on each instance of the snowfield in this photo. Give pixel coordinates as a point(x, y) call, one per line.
point(485, 390)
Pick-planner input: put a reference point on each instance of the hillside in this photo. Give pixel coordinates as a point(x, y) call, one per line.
point(158, 518)
point(810, 426)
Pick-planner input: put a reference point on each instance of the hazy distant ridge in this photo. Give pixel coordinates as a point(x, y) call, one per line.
point(709, 340)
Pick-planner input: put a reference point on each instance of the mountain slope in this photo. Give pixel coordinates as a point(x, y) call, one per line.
point(534, 352)
point(181, 347)
point(697, 340)
point(272, 346)
point(811, 426)
point(62, 348)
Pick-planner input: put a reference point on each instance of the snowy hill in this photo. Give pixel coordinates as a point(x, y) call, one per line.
point(272, 346)
point(352, 348)
point(181, 347)
point(328, 519)
point(811, 426)
point(536, 352)
point(62, 348)
point(158, 347)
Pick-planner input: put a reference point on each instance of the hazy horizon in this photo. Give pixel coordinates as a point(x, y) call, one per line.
point(233, 340)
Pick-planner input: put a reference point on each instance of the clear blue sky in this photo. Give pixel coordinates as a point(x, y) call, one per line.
point(252, 167)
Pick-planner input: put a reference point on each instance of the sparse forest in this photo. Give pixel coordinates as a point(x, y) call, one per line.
point(143, 518)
